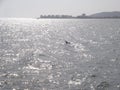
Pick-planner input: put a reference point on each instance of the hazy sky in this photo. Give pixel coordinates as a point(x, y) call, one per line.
point(34, 8)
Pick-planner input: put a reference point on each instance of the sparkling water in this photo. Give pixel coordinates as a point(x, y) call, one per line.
point(59, 54)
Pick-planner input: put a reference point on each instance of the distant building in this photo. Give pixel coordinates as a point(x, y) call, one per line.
point(56, 16)
point(82, 16)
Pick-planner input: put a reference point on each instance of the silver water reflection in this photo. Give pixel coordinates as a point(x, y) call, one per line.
point(34, 54)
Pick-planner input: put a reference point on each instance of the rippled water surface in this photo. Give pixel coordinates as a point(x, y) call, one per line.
point(59, 54)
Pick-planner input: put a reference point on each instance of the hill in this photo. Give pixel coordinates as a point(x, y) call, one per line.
point(107, 14)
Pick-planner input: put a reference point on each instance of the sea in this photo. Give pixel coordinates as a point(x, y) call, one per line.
point(59, 54)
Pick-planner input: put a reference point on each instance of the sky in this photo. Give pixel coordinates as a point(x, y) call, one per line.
point(34, 8)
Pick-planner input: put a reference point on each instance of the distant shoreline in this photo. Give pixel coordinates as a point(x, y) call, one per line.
point(101, 15)
point(84, 18)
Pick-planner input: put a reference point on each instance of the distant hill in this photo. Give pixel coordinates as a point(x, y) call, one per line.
point(107, 14)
